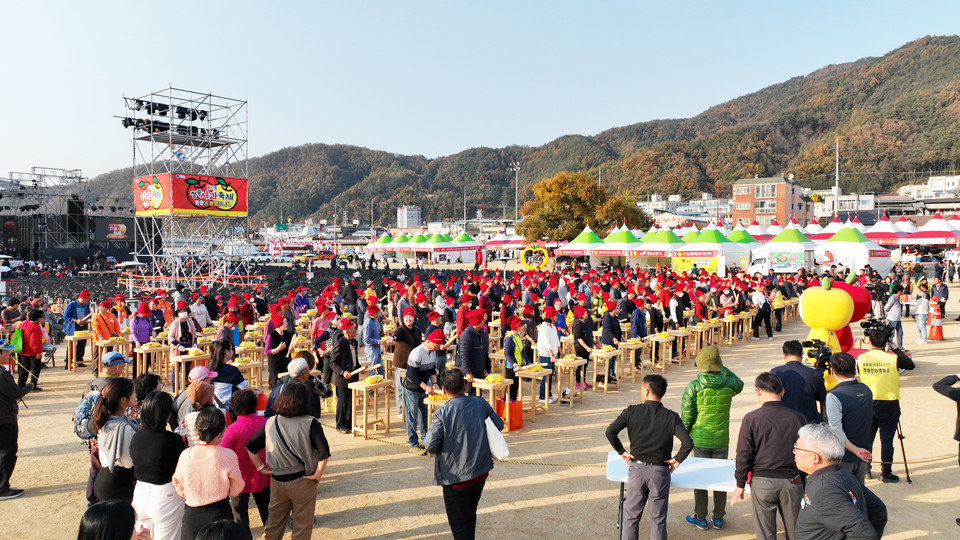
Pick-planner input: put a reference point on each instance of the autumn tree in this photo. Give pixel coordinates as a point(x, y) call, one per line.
point(566, 202)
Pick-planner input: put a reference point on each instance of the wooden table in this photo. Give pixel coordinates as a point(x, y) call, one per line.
point(628, 349)
point(711, 334)
point(103, 347)
point(432, 405)
point(180, 373)
point(665, 347)
point(729, 333)
point(569, 367)
point(158, 355)
point(695, 343)
point(748, 317)
point(252, 370)
point(494, 327)
point(498, 363)
point(566, 345)
point(361, 406)
point(601, 356)
point(534, 378)
point(682, 337)
point(492, 390)
point(72, 341)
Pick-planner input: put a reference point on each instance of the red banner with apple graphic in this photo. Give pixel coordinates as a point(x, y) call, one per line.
point(189, 194)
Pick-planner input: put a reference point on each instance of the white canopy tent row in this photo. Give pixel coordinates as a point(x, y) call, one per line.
point(712, 251)
point(582, 246)
point(851, 249)
point(786, 252)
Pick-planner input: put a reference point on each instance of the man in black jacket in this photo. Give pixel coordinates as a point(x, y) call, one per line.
point(945, 386)
point(10, 393)
point(342, 366)
point(651, 428)
point(835, 505)
point(472, 349)
point(849, 408)
point(767, 436)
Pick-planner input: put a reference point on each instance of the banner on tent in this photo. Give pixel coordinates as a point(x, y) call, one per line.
point(685, 264)
point(786, 261)
point(649, 253)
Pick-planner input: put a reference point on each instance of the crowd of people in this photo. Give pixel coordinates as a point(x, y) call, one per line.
point(182, 462)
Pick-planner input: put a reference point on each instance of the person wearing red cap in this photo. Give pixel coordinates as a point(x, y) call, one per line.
point(507, 307)
point(420, 381)
point(483, 301)
point(421, 311)
point(229, 329)
point(248, 312)
point(407, 337)
point(548, 348)
point(582, 332)
point(277, 347)
point(462, 311)
point(105, 325)
point(373, 337)
point(513, 352)
point(199, 310)
point(141, 328)
point(611, 334)
point(472, 349)
point(301, 302)
point(76, 316)
point(342, 365)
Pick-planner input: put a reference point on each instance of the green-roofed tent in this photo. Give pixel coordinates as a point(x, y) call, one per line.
point(786, 253)
point(396, 243)
point(379, 243)
point(582, 245)
point(659, 247)
point(617, 244)
point(649, 234)
point(713, 251)
point(850, 248)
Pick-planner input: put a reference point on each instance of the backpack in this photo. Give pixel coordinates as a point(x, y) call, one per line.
point(83, 415)
point(16, 339)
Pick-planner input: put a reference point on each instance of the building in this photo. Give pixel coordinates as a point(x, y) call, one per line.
point(937, 187)
point(408, 217)
point(766, 199)
point(657, 204)
point(847, 202)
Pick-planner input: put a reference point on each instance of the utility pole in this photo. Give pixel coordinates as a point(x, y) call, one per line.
point(515, 167)
point(836, 188)
point(464, 206)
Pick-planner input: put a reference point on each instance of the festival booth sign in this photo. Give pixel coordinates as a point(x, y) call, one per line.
point(905, 224)
point(884, 232)
point(785, 253)
point(581, 246)
point(379, 244)
point(936, 232)
point(658, 249)
point(712, 251)
point(827, 232)
point(850, 248)
point(174, 194)
point(757, 231)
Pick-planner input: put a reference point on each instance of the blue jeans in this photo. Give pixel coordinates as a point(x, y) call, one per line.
point(898, 330)
point(414, 411)
point(372, 354)
point(921, 319)
point(546, 382)
point(396, 385)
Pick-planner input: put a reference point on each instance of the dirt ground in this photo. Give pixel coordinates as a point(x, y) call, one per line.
point(375, 489)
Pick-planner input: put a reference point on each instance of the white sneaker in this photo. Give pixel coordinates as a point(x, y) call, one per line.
point(553, 399)
point(918, 341)
point(922, 341)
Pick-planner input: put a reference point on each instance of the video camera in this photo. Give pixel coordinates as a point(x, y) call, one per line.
point(877, 330)
point(820, 352)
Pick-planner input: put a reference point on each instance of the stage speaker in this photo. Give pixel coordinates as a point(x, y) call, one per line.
point(76, 221)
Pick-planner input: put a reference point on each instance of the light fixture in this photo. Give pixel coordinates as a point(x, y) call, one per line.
point(157, 108)
point(137, 104)
point(202, 115)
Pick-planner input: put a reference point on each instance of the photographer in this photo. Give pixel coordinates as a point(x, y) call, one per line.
point(879, 370)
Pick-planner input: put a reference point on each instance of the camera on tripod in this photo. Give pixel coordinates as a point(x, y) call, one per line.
point(820, 353)
point(877, 331)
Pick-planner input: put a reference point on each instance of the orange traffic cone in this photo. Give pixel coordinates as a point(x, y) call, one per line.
point(936, 320)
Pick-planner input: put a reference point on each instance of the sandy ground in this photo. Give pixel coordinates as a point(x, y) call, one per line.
point(373, 489)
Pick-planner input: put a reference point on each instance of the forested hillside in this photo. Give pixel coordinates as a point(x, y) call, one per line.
point(898, 116)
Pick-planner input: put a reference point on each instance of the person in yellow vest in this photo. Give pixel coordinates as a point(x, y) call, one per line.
point(880, 371)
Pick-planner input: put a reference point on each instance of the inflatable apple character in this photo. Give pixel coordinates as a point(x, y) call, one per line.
point(861, 306)
point(825, 310)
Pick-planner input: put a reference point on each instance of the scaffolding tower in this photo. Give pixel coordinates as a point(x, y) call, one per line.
point(47, 205)
point(177, 131)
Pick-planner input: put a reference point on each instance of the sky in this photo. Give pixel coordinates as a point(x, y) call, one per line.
point(415, 77)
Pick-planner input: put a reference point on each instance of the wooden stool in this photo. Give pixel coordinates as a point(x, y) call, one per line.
point(663, 346)
point(72, 342)
point(601, 356)
point(682, 337)
point(569, 368)
point(498, 363)
point(492, 389)
point(361, 401)
point(695, 343)
point(155, 355)
point(534, 378)
point(627, 363)
point(178, 368)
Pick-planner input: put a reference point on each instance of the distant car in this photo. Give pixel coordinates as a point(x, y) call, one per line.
point(283, 259)
point(324, 255)
point(259, 257)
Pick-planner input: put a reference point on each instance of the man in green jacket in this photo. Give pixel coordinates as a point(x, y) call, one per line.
point(705, 412)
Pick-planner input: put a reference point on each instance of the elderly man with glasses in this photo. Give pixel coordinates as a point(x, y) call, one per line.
point(835, 505)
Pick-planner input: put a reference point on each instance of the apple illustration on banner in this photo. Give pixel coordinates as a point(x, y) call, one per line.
point(220, 196)
point(151, 195)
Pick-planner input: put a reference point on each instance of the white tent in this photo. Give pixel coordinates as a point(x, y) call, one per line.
point(933, 233)
point(774, 227)
point(583, 245)
point(812, 228)
point(659, 248)
point(827, 232)
point(757, 231)
point(884, 232)
point(851, 249)
point(855, 223)
point(905, 224)
point(787, 251)
point(712, 251)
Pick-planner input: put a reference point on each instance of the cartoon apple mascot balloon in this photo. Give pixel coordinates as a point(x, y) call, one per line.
point(861, 306)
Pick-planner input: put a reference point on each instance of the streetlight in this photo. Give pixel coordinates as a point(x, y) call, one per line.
point(515, 167)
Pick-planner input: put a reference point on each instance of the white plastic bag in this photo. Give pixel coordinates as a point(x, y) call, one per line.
point(498, 445)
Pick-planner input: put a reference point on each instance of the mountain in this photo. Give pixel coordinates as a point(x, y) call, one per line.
point(897, 116)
